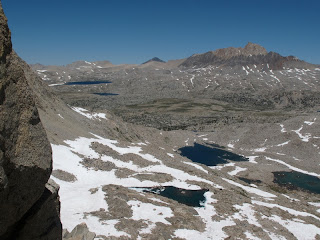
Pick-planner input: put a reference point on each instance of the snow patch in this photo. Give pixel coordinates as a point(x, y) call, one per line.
point(308, 123)
point(282, 144)
point(292, 199)
point(263, 149)
point(293, 168)
point(150, 214)
point(289, 210)
point(170, 155)
point(252, 159)
point(245, 70)
point(213, 230)
point(250, 236)
point(283, 130)
point(55, 84)
point(230, 145)
point(104, 227)
point(251, 189)
point(86, 113)
point(304, 138)
point(246, 212)
point(309, 231)
point(196, 166)
point(237, 170)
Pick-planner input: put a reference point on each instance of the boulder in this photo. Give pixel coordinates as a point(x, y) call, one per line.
point(25, 152)
point(80, 232)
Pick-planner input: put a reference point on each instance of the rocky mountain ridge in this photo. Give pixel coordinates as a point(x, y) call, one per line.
point(251, 49)
point(251, 54)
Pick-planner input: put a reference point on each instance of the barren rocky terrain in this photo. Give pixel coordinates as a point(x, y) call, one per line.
point(220, 145)
point(132, 144)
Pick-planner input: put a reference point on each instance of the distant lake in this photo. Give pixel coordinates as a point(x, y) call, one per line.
point(106, 94)
point(194, 198)
point(86, 83)
point(210, 156)
point(297, 180)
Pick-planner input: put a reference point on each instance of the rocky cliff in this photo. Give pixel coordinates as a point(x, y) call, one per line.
point(29, 206)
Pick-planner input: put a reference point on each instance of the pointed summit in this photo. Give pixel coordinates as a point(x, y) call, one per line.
point(155, 59)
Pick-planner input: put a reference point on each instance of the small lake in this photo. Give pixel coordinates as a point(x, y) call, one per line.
point(296, 180)
point(193, 198)
point(210, 156)
point(106, 94)
point(86, 83)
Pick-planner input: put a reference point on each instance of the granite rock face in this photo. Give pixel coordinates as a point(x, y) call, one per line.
point(25, 152)
point(42, 221)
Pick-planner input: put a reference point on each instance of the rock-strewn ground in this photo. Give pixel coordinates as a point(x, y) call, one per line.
point(107, 158)
point(265, 114)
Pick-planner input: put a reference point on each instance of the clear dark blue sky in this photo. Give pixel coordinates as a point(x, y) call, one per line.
point(133, 31)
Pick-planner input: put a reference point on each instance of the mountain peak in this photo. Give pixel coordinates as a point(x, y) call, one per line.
point(250, 49)
point(252, 52)
point(155, 59)
point(254, 49)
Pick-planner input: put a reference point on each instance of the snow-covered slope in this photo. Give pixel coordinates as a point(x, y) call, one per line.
point(98, 176)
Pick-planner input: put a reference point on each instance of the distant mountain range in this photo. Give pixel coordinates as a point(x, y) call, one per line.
point(249, 76)
point(251, 54)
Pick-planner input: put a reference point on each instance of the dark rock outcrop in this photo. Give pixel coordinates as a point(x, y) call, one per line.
point(42, 221)
point(80, 232)
point(27, 205)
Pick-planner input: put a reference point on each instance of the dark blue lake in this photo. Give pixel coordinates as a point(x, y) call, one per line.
point(296, 180)
point(210, 156)
point(106, 94)
point(86, 83)
point(193, 198)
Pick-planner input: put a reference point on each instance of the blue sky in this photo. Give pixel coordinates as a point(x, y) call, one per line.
point(132, 31)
